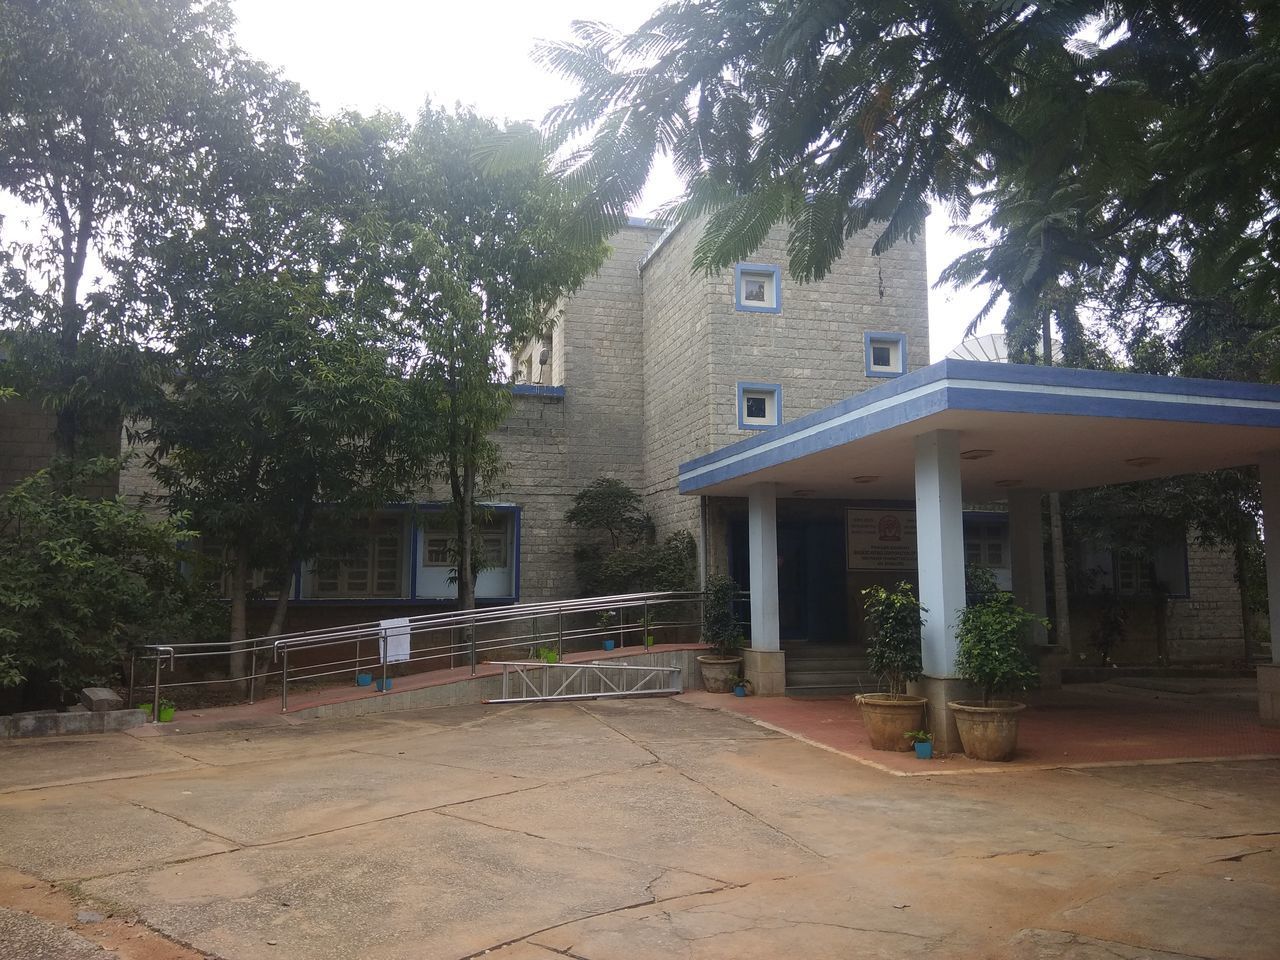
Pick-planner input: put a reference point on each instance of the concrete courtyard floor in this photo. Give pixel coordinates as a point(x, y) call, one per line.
point(621, 830)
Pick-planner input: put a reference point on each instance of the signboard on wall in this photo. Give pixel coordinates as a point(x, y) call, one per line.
point(880, 539)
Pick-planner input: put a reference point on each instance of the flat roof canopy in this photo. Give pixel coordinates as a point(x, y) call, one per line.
point(1045, 428)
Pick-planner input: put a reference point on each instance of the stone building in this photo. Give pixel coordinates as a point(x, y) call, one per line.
point(653, 366)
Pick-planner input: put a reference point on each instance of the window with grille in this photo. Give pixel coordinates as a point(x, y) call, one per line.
point(370, 565)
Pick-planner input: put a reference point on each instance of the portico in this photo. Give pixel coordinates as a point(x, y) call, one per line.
point(960, 432)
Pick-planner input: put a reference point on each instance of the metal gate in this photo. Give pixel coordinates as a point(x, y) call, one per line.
point(529, 681)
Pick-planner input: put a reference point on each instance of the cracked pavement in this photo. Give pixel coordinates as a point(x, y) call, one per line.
point(630, 830)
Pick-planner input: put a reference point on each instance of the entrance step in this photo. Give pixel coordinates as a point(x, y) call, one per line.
point(818, 678)
point(827, 670)
point(808, 664)
point(824, 691)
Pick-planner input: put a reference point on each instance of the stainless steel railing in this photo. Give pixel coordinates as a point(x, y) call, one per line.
point(449, 639)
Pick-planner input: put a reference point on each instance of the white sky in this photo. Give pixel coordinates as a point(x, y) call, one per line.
point(394, 54)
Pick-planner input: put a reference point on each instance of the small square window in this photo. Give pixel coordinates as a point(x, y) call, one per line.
point(886, 354)
point(757, 288)
point(759, 405)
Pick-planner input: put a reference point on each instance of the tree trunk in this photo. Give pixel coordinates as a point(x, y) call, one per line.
point(1061, 603)
point(281, 609)
point(239, 611)
point(1242, 582)
point(466, 539)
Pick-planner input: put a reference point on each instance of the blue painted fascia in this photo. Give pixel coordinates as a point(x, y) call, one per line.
point(536, 390)
point(973, 385)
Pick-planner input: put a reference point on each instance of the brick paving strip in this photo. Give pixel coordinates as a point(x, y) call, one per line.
point(1089, 725)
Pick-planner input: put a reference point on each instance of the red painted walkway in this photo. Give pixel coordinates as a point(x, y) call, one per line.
point(1080, 725)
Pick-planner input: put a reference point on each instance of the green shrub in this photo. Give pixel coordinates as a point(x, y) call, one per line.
point(893, 645)
point(82, 580)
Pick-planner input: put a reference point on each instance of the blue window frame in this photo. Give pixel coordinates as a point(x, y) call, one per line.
point(757, 288)
point(886, 354)
point(759, 405)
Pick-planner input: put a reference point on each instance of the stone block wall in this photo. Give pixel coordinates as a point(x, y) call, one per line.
point(26, 445)
point(1204, 627)
point(698, 347)
point(601, 336)
point(677, 377)
point(26, 441)
point(535, 448)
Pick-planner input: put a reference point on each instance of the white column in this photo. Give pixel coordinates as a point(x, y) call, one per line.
point(1026, 549)
point(763, 548)
point(940, 543)
point(1269, 471)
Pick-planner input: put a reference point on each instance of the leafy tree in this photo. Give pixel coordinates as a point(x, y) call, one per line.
point(629, 561)
point(81, 580)
point(109, 111)
point(610, 505)
point(484, 257)
point(289, 389)
point(1119, 146)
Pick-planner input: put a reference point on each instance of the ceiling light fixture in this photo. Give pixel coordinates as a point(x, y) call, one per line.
point(867, 478)
point(802, 493)
point(1007, 483)
point(975, 454)
point(1142, 461)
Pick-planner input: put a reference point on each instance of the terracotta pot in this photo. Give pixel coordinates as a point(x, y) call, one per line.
point(718, 673)
point(990, 732)
point(888, 717)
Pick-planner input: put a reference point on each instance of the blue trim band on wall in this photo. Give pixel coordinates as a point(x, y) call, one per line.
point(870, 339)
point(536, 390)
point(774, 271)
point(745, 386)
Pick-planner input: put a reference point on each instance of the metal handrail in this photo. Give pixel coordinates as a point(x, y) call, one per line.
point(434, 625)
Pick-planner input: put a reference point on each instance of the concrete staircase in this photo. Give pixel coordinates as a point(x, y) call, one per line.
point(816, 670)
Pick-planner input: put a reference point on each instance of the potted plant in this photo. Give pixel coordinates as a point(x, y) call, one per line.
point(992, 656)
point(646, 627)
point(923, 743)
point(548, 655)
point(742, 687)
point(605, 620)
point(893, 651)
point(720, 631)
point(167, 710)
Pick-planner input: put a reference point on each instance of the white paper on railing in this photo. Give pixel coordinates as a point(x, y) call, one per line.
point(395, 640)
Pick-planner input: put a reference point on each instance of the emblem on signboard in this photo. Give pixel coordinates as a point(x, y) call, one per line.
point(890, 528)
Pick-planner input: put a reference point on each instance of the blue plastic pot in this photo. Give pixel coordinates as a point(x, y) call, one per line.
point(608, 644)
point(364, 679)
point(924, 751)
point(384, 685)
point(739, 691)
